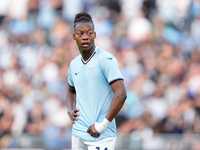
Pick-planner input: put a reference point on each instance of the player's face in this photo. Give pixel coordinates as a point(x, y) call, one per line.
point(84, 35)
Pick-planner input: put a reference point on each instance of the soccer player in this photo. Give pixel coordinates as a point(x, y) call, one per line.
point(96, 90)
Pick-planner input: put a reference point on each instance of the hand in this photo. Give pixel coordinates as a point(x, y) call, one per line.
point(73, 114)
point(92, 131)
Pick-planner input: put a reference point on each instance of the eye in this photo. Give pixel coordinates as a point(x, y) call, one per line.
point(90, 33)
point(80, 33)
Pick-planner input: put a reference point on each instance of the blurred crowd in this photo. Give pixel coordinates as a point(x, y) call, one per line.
point(156, 43)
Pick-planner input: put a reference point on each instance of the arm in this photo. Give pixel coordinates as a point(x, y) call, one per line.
point(71, 104)
point(119, 98)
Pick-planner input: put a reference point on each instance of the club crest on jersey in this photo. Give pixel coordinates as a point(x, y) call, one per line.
point(91, 70)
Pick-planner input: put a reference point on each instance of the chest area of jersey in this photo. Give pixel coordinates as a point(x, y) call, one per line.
point(87, 72)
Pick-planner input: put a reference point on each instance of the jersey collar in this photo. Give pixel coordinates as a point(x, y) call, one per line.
point(85, 62)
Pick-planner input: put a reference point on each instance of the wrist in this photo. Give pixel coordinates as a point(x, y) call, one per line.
point(100, 127)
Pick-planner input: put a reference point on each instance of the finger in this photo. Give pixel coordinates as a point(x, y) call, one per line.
point(88, 130)
point(74, 118)
point(76, 110)
point(72, 121)
point(75, 114)
point(95, 135)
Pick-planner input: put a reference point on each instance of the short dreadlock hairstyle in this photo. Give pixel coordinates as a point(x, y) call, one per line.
point(82, 17)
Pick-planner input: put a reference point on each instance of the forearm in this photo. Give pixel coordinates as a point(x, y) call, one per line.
point(116, 105)
point(71, 104)
point(118, 100)
point(71, 100)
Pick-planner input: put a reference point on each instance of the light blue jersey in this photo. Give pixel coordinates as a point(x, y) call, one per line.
point(94, 95)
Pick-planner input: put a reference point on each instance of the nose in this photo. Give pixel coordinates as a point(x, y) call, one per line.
point(85, 36)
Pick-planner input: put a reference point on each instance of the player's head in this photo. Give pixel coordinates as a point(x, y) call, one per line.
point(84, 31)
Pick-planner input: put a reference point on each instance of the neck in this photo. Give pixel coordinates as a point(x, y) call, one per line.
point(87, 54)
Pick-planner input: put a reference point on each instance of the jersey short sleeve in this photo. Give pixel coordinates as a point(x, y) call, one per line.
point(111, 69)
point(70, 79)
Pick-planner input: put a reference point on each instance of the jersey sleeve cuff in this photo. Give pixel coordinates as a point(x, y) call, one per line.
point(115, 80)
point(70, 85)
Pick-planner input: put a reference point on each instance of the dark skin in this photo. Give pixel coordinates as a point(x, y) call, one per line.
point(84, 35)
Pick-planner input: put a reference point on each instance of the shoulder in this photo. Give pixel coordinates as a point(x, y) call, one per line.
point(107, 60)
point(104, 54)
point(76, 60)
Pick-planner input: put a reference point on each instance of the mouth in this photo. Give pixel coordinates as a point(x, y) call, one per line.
point(85, 44)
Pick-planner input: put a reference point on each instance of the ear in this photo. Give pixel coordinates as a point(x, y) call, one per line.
point(95, 35)
point(74, 36)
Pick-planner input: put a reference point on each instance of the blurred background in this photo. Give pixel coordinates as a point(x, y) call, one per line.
point(156, 43)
